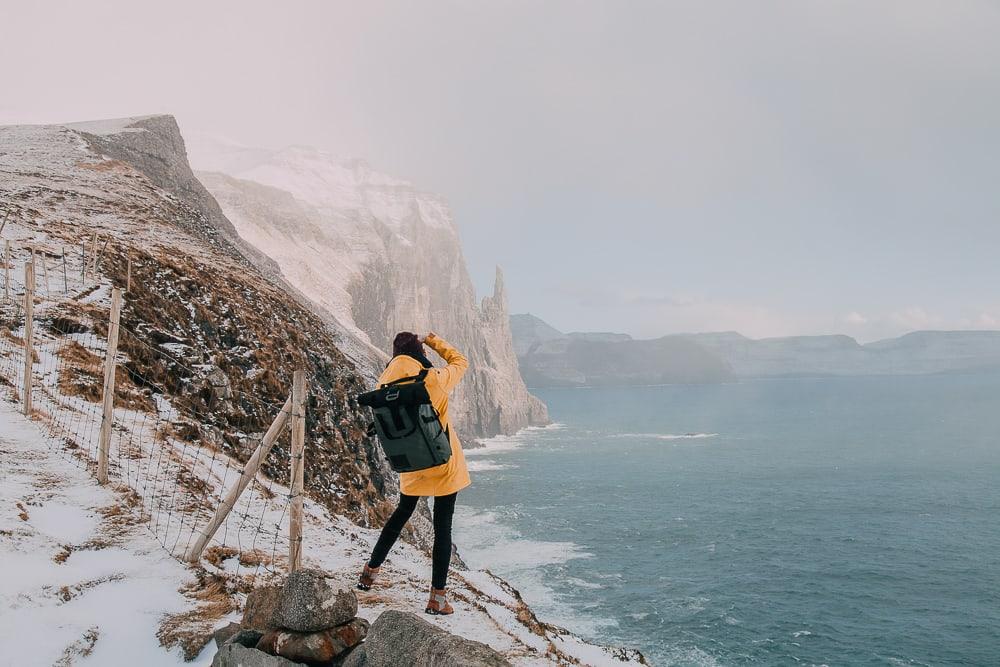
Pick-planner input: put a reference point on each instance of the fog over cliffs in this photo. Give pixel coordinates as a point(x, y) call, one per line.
point(380, 256)
point(549, 357)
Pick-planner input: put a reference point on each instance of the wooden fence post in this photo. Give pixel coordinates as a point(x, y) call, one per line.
point(83, 262)
point(6, 270)
point(100, 255)
point(65, 277)
point(193, 554)
point(109, 386)
point(45, 273)
point(297, 471)
point(29, 328)
point(128, 273)
point(92, 269)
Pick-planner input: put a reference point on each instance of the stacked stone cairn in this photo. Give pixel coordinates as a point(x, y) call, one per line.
point(306, 622)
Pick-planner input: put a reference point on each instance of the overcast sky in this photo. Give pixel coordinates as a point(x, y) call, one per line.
point(776, 168)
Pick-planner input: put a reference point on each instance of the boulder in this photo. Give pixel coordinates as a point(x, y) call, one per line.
point(225, 633)
point(309, 603)
point(356, 658)
point(260, 607)
point(314, 647)
point(299, 646)
point(236, 655)
point(401, 638)
point(352, 633)
point(248, 638)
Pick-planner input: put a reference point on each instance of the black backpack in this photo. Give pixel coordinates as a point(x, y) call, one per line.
point(407, 425)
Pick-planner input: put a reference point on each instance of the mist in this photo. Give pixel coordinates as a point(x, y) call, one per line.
point(774, 168)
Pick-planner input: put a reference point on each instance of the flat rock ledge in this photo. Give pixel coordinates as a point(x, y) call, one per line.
point(401, 638)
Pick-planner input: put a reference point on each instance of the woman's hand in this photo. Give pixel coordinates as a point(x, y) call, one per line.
point(423, 339)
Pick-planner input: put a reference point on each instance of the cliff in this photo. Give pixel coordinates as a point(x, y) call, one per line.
point(380, 256)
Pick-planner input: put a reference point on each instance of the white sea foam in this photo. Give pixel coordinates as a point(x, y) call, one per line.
point(505, 443)
point(485, 541)
point(481, 465)
point(666, 436)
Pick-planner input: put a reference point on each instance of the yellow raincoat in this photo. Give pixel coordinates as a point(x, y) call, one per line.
point(452, 476)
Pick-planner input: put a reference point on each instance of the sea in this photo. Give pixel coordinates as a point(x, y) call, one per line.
point(820, 521)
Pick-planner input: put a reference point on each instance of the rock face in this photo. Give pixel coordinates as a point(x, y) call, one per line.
point(308, 603)
point(381, 257)
point(153, 144)
point(401, 638)
point(260, 607)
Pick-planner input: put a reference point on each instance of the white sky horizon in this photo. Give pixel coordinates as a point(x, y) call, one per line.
point(774, 168)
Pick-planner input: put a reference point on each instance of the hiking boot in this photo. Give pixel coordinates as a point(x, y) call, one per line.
point(438, 604)
point(367, 578)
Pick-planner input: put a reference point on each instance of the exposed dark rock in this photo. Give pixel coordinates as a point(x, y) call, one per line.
point(400, 638)
point(260, 607)
point(308, 603)
point(225, 633)
point(236, 655)
point(248, 638)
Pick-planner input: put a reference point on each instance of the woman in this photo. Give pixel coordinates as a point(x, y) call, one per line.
point(443, 481)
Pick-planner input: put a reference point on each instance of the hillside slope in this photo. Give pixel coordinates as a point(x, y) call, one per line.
point(208, 341)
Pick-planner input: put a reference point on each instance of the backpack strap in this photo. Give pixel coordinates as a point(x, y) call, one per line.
point(419, 377)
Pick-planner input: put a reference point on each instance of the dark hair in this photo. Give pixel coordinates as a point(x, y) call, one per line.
point(407, 342)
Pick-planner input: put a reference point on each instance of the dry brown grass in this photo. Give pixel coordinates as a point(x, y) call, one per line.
point(82, 374)
point(191, 630)
point(81, 648)
point(67, 593)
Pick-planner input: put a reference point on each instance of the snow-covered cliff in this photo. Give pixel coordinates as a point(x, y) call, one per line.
point(380, 256)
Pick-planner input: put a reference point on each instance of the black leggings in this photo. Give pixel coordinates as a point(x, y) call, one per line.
point(444, 509)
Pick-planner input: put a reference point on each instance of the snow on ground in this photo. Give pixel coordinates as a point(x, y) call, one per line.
point(78, 579)
point(73, 579)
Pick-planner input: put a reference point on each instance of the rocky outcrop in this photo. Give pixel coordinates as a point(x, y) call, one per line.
point(309, 603)
point(401, 638)
point(381, 257)
point(155, 147)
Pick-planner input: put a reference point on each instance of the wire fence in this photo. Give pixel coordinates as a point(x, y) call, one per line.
point(171, 458)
